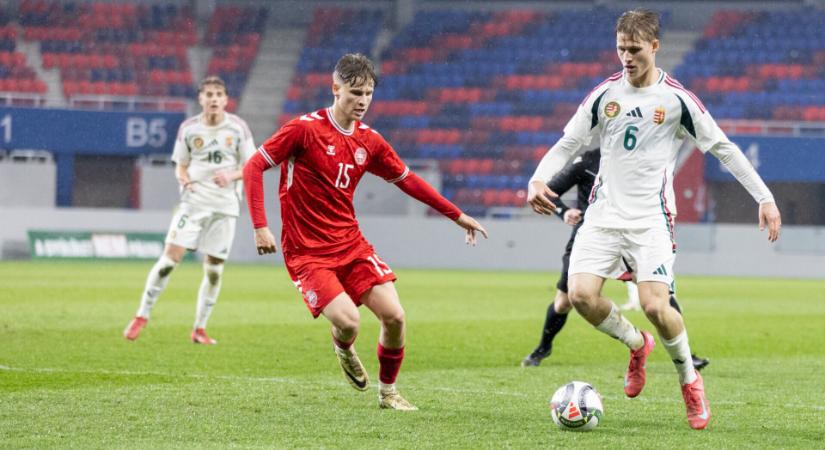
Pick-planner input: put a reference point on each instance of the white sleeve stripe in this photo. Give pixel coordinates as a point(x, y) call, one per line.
point(266, 156)
point(403, 175)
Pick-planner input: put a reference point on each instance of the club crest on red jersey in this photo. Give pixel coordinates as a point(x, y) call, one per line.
point(659, 115)
point(612, 109)
point(312, 297)
point(360, 156)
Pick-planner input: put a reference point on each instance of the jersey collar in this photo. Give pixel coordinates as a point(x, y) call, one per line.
point(339, 127)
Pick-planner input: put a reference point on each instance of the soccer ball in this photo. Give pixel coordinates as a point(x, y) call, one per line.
point(576, 406)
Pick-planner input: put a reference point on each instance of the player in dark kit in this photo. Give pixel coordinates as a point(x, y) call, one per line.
point(581, 172)
point(323, 156)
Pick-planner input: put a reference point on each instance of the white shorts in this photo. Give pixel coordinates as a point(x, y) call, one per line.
point(605, 252)
point(195, 228)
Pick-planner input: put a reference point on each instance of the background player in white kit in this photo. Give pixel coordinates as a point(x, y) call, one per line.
point(641, 116)
point(210, 151)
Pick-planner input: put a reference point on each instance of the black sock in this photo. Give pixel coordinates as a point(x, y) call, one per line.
point(675, 304)
point(553, 323)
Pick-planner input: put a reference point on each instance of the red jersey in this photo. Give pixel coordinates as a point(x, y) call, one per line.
point(323, 164)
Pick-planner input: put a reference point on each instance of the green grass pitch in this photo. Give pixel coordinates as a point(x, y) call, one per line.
point(68, 379)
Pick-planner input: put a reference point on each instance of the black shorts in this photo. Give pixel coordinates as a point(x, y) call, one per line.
point(565, 259)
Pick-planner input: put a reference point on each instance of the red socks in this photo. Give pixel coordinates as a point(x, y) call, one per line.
point(342, 345)
point(389, 362)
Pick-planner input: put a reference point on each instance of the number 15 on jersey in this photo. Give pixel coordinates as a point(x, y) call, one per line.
point(343, 180)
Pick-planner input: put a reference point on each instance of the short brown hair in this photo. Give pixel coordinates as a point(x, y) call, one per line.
point(639, 24)
point(355, 69)
point(211, 79)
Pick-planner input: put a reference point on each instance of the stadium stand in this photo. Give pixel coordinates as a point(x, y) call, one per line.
point(16, 76)
point(759, 65)
point(234, 34)
point(129, 49)
point(484, 93)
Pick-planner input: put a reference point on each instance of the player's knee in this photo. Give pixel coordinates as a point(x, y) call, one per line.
point(394, 320)
point(213, 272)
point(562, 302)
point(580, 297)
point(166, 265)
point(348, 323)
point(656, 311)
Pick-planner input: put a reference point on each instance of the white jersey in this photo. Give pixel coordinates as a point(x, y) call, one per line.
point(641, 131)
point(207, 149)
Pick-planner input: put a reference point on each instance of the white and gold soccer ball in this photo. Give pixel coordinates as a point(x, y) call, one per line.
point(576, 406)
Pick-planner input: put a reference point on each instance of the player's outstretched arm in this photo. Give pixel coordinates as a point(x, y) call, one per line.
point(769, 215)
point(417, 188)
point(472, 226)
point(734, 160)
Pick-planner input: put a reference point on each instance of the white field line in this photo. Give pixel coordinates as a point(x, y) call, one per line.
point(299, 382)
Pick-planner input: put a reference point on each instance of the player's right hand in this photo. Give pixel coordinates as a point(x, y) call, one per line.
point(187, 185)
point(538, 197)
point(265, 241)
point(572, 216)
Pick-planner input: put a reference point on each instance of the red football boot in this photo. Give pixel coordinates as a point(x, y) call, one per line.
point(199, 337)
point(698, 410)
point(634, 380)
point(132, 330)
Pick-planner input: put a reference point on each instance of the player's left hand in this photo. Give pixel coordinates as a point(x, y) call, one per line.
point(471, 225)
point(769, 215)
point(222, 178)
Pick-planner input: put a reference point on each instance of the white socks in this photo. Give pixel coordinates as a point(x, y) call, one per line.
point(155, 284)
point(632, 294)
point(679, 352)
point(616, 326)
point(386, 388)
point(208, 293)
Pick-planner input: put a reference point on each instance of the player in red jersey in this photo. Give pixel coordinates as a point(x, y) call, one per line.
point(323, 156)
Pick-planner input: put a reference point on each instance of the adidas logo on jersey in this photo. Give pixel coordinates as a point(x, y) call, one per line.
point(635, 112)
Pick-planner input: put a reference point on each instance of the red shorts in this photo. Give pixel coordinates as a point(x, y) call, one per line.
point(321, 279)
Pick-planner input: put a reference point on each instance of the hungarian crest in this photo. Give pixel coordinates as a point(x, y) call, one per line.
point(612, 109)
point(659, 115)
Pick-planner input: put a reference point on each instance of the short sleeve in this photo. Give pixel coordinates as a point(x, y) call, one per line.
point(286, 142)
point(386, 163)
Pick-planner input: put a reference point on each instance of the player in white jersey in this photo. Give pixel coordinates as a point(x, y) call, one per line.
point(641, 117)
point(210, 151)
